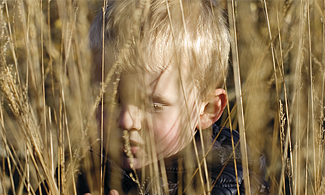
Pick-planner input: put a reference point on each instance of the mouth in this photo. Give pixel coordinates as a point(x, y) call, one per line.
point(132, 154)
point(131, 147)
point(132, 143)
point(135, 147)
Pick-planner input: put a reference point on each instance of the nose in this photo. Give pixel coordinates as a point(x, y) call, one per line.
point(130, 118)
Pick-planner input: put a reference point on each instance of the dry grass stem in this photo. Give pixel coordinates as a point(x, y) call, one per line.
point(51, 105)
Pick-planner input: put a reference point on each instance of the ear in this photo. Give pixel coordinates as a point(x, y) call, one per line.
point(212, 110)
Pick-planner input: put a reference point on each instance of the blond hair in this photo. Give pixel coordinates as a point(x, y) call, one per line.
point(191, 34)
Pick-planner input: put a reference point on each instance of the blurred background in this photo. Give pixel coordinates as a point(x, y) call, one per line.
point(275, 88)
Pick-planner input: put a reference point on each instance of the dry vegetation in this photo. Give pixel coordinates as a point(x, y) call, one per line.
point(276, 91)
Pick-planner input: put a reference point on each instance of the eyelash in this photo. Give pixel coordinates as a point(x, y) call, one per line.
point(157, 107)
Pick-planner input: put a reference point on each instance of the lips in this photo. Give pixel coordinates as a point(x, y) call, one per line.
point(135, 149)
point(135, 156)
point(134, 146)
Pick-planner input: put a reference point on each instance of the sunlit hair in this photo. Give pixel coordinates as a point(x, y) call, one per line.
point(159, 34)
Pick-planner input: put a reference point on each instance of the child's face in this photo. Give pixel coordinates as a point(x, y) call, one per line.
point(153, 110)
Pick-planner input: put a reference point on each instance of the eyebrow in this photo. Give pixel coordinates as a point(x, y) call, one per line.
point(159, 98)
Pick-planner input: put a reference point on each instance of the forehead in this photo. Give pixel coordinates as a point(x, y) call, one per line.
point(166, 85)
point(165, 79)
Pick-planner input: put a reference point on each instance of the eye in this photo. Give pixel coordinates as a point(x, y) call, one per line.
point(157, 107)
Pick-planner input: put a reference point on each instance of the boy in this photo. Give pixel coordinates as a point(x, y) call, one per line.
point(169, 59)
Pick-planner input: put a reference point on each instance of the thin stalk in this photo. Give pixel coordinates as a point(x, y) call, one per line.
point(232, 138)
point(2, 173)
point(43, 79)
point(285, 98)
point(276, 129)
point(51, 146)
point(307, 150)
point(4, 139)
point(27, 171)
point(11, 42)
point(288, 141)
point(11, 176)
point(61, 177)
point(50, 64)
point(311, 100)
point(239, 99)
point(275, 73)
point(70, 151)
point(297, 89)
point(187, 111)
point(322, 128)
point(102, 100)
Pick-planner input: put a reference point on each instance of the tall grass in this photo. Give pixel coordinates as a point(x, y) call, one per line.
point(48, 100)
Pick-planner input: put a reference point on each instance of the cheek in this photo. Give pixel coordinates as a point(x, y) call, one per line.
point(167, 125)
point(172, 132)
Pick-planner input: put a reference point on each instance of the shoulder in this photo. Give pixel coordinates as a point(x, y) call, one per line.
point(226, 169)
point(224, 143)
point(223, 135)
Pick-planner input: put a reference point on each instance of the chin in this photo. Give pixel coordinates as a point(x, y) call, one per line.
point(137, 163)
